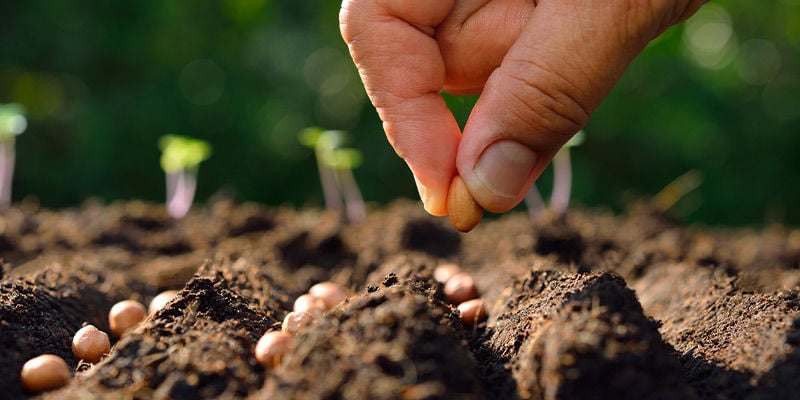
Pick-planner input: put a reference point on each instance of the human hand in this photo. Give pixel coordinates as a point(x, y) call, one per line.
point(541, 68)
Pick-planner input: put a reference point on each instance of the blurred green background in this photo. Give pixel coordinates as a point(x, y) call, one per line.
point(102, 81)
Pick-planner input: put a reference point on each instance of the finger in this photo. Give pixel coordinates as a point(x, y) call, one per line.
point(403, 71)
point(567, 59)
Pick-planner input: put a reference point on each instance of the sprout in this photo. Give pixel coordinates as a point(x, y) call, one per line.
point(677, 189)
point(562, 175)
point(336, 166)
point(562, 181)
point(180, 158)
point(12, 123)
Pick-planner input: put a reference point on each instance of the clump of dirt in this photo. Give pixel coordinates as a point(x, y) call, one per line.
point(583, 305)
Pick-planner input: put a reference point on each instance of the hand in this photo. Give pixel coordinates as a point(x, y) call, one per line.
point(541, 68)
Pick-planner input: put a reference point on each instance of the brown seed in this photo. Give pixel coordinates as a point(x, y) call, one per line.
point(444, 272)
point(271, 348)
point(90, 344)
point(124, 315)
point(472, 311)
point(310, 304)
point(331, 293)
point(45, 372)
point(460, 288)
point(161, 300)
point(295, 321)
point(462, 209)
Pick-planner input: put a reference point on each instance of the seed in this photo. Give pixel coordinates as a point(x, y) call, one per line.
point(45, 372)
point(271, 348)
point(331, 293)
point(295, 321)
point(460, 288)
point(472, 311)
point(444, 272)
point(311, 304)
point(462, 209)
point(161, 300)
point(124, 315)
point(90, 344)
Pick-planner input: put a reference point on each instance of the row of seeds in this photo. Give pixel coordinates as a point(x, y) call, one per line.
point(89, 345)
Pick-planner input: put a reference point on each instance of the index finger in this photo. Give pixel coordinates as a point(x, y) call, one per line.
point(403, 71)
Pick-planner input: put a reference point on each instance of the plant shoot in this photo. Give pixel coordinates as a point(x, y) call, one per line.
point(336, 165)
point(180, 158)
point(562, 182)
point(12, 123)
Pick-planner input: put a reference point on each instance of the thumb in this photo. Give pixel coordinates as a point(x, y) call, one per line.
point(564, 63)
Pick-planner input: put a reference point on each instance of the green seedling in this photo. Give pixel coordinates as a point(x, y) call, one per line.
point(677, 189)
point(344, 161)
point(335, 165)
point(12, 124)
point(180, 159)
point(562, 181)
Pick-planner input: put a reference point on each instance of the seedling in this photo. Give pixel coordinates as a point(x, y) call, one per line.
point(12, 123)
point(180, 158)
point(677, 189)
point(562, 181)
point(336, 165)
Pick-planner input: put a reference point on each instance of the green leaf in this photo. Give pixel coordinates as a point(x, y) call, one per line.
point(344, 158)
point(12, 119)
point(577, 139)
point(182, 152)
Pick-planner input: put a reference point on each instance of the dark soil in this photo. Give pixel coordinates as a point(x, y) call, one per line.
point(588, 305)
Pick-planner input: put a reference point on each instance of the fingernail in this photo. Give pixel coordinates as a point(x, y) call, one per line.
point(504, 167)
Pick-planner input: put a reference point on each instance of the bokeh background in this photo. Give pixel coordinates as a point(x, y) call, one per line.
point(102, 81)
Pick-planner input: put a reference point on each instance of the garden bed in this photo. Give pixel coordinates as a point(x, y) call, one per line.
point(588, 305)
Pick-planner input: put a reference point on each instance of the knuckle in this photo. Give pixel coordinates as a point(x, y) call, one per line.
point(548, 103)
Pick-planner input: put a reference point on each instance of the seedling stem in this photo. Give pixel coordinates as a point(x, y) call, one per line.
point(12, 124)
point(180, 158)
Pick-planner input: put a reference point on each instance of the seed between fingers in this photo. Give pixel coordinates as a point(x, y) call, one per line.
point(462, 209)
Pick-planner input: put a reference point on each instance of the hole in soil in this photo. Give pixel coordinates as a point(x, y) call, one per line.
point(253, 223)
point(429, 237)
point(326, 252)
point(567, 245)
point(143, 222)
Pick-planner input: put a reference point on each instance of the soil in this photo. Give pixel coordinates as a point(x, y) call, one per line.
point(588, 305)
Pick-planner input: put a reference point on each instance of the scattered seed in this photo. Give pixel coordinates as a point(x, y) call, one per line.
point(444, 272)
point(310, 304)
point(295, 321)
point(161, 300)
point(271, 348)
point(90, 344)
point(331, 293)
point(45, 372)
point(460, 288)
point(124, 315)
point(472, 311)
point(462, 209)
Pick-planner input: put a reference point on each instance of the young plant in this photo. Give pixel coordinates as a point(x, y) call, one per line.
point(343, 161)
point(335, 165)
point(180, 158)
point(12, 123)
point(677, 189)
point(562, 181)
point(562, 175)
